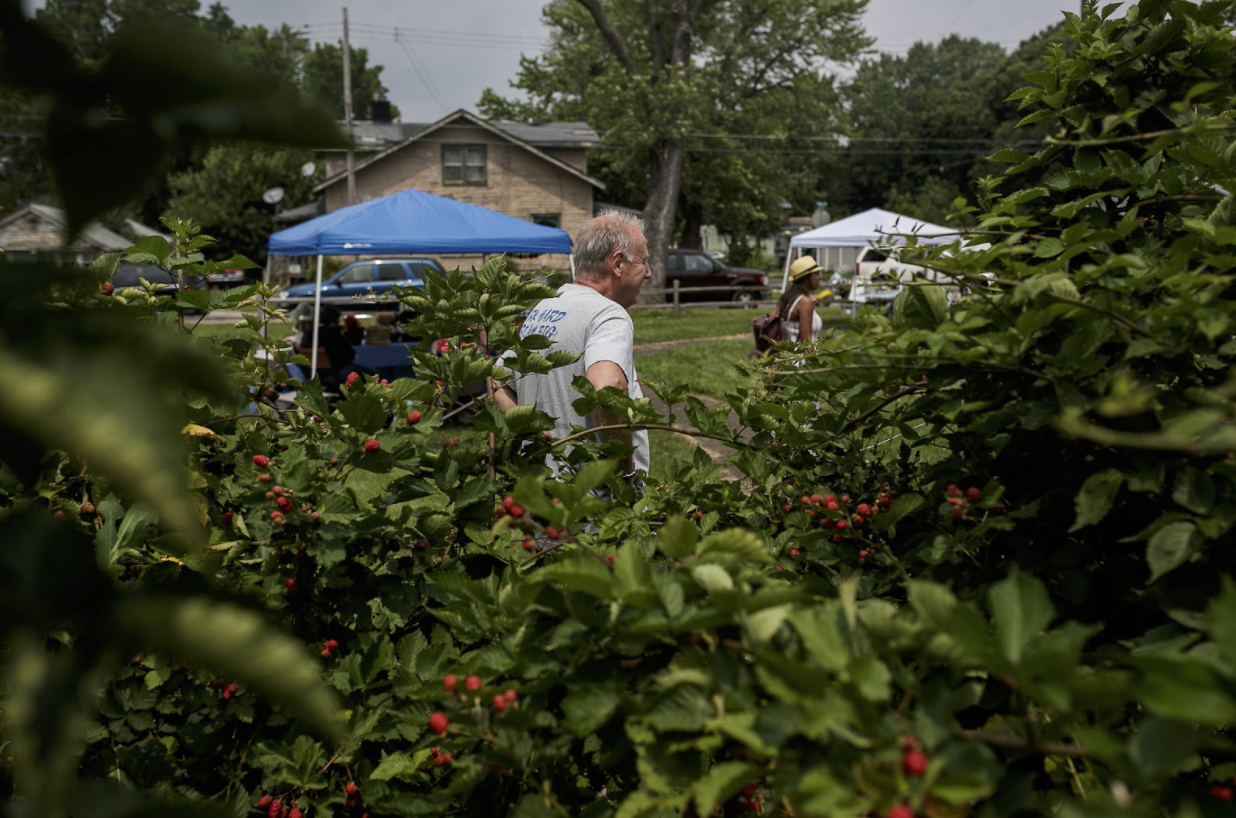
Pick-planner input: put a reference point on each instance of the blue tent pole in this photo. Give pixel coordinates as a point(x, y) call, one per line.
point(317, 310)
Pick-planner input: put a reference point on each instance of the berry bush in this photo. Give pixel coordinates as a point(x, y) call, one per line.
point(975, 563)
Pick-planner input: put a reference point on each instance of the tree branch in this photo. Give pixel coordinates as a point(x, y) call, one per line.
point(611, 35)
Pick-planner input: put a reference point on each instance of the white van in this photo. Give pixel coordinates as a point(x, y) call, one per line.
point(880, 272)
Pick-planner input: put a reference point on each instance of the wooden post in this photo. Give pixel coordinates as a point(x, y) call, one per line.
point(677, 284)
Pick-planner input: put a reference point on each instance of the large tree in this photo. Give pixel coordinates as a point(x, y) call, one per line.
point(660, 78)
point(921, 123)
point(224, 194)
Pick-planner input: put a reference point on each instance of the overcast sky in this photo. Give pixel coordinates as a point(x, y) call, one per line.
point(438, 56)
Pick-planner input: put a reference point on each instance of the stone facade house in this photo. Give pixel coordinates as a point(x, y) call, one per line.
point(37, 232)
point(534, 172)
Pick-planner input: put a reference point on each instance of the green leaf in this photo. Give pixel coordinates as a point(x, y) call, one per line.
point(365, 413)
point(900, 508)
point(236, 642)
point(579, 573)
point(1160, 748)
point(1194, 490)
point(587, 707)
point(677, 538)
point(79, 408)
point(1021, 609)
point(1169, 547)
point(712, 578)
point(1186, 689)
point(746, 545)
point(400, 766)
point(723, 782)
point(820, 628)
point(1095, 498)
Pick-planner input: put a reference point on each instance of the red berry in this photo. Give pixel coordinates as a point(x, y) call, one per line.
point(325, 654)
point(107, 288)
point(510, 696)
point(548, 438)
point(699, 515)
point(958, 513)
point(352, 378)
point(285, 505)
point(449, 681)
point(826, 522)
point(331, 644)
point(884, 500)
point(264, 802)
point(455, 442)
point(914, 762)
point(500, 703)
point(864, 509)
point(551, 532)
point(334, 461)
point(438, 722)
point(372, 445)
point(610, 560)
point(274, 810)
point(845, 498)
point(815, 498)
point(350, 788)
point(289, 583)
point(528, 545)
point(974, 494)
point(805, 500)
point(1221, 791)
point(384, 382)
point(263, 478)
point(841, 524)
point(261, 460)
point(414, 417)
point(900, 811)
point(295, 813)
point(863, 553)
point(508, 503)
point(953, 490)
point(838, 538)
point(227, 516)
point(473, 683)
point(276, 516)
point(786, 508)
point(516, 511)
point(794, 552)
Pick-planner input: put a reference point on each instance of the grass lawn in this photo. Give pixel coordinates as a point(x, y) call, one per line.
point(276, 329)
point(707, 368)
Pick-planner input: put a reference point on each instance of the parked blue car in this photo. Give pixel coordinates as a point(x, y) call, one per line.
point(361, 278)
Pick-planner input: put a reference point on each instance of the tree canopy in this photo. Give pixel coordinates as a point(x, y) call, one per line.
point(684, 96)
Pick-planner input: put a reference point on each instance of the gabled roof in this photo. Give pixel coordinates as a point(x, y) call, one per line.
point(93, 234)
point(465, 116)
point(380, 135)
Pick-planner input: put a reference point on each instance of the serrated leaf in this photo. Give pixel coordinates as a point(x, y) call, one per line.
point(1021, 609)
point(746, 545)
point(79, 409)
point(587, 707)
point(364, 413)
point(724, 781)
point(1169, 547)
point(581, 573)
point(239, 643)
point(712, 578)
point(1096, 496)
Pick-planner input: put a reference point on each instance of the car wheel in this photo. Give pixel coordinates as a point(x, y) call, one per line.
point(745, 297)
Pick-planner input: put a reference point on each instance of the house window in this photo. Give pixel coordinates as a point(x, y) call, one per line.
point(463, 164)
point(547, 219)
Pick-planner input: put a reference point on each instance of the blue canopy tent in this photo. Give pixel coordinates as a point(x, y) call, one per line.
point(413, 221)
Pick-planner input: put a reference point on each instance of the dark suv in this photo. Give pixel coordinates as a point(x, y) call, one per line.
point(376, 275)
point(695, 268)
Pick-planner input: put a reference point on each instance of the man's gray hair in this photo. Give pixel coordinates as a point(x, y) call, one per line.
point(607, 232)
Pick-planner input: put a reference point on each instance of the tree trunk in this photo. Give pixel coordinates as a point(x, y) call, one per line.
point(665, 162)
point(692, 225)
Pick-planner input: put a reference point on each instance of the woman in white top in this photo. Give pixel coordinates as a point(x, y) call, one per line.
point(799, 322)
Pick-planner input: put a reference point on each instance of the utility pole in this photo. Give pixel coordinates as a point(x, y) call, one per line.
point(347, 105)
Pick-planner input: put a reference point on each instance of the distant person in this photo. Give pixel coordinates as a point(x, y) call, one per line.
point(589, 317)
point(380, 333)
point(335, 356)
point(353, 332)
point(799, 322)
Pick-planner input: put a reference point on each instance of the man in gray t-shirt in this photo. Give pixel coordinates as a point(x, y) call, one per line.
point(589, 318)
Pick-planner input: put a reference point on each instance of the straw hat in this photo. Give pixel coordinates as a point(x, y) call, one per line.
point(803, 267)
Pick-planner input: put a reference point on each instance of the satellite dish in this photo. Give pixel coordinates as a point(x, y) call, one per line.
point(273, 196)
point(308, 169)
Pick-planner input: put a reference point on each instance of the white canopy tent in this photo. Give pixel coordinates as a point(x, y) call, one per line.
point(871, 227)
